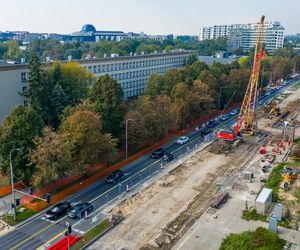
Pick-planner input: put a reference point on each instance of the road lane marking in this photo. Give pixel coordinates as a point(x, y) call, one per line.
point(35, 234)
point(115, 187)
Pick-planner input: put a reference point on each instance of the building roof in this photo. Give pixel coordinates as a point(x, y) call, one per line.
point(88, 28)
point(9, 66)
point(264, 195)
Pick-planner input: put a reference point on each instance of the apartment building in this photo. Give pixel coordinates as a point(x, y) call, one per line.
point(243, 36)
point(131, 72)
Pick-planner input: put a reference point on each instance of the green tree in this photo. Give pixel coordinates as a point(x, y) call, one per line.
point(107, 94)
point(37, 94)
point(75, 82)
point(284, 52)
point(83, 131)
point(156, 86)
point(154, 128)
point(261, 238)
point(52, 159)
point(192, 58)
point(13, 51)
point(18, 130)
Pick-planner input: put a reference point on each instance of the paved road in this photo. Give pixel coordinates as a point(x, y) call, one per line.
point(39, 231)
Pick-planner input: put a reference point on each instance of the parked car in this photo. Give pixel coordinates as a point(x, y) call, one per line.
point(168, 157)
point(115, 176)
point(224, 117)
point(211, 124)
point(204, 133)
point(58, 210)
point(182, 140)
point(158, 153)
point(79, 210)
point(234, 112)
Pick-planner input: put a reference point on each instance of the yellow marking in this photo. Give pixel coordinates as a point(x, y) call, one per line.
point(37, 233)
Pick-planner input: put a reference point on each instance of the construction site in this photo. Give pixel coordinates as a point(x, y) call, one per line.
point(199, 199)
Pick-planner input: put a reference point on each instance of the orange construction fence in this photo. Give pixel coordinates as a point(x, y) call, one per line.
point(39, 205)
point(7, 189)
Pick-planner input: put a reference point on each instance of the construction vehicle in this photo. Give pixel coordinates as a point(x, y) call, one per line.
point(245, 120)
point(289, 175)
point(273, 109)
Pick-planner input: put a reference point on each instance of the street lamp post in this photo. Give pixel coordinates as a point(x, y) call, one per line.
point(220, 91)
point(12, 182)
point(128, 120)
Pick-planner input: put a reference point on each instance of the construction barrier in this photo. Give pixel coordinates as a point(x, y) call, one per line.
point(7, 189)
point(65, 243)
point(40, 205)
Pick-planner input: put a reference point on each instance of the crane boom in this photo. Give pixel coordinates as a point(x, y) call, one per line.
point(245, 119)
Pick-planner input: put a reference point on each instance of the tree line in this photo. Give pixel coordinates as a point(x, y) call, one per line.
point(79, 50)
point(74, 119)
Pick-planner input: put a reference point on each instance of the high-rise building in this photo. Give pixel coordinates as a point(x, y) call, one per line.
point(243, 36)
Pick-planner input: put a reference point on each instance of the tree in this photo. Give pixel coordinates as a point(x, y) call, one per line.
point(18, 130)
point(156, 86)
point(13, 51)
point(37, 94)
point(154, 129)
point(284, 52)
point(135, 131)
point(261, 238)
point(192, 58)
point(107, 94)
point(52, 159)
point(75, 82)
point(83, 131)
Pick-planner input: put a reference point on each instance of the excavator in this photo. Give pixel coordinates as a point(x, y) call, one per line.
point(274, 110)
point(245, 121)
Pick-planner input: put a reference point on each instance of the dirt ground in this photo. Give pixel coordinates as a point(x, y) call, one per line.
point(165, 210)
point(150, 211)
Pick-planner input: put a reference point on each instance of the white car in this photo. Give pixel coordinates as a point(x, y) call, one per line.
point(182, 140)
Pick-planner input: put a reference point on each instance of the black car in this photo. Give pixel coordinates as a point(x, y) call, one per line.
point(115, 176)
point(168, 157)
point(79, 210)
point(58, 210)
point(158, 153)
point(211, 124)
point(204, 133)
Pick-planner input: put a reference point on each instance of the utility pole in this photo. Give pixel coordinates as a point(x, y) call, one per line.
point(126, 124)
point(220, 91)
point(12, 183)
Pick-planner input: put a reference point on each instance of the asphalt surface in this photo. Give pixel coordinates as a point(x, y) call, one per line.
point(40, 233)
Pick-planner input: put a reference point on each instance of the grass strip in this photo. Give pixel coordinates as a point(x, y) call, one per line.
point(92, 234)
point(21, 216)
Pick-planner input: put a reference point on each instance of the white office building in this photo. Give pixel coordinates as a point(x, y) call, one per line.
point(243, 36)
point(131, 72)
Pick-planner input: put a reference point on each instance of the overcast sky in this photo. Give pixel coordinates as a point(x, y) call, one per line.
point(150, 16)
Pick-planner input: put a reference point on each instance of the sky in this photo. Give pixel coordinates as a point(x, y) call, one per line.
point(150, 16)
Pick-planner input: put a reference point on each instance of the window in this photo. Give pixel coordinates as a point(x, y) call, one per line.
point(23, 77)
point(25, 103)
point(24, 89)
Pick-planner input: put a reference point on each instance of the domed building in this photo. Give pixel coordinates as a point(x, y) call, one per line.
point(88, 28)
point(89, 33)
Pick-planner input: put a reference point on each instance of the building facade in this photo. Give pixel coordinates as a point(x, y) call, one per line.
point(131, 72)
point(243, 36)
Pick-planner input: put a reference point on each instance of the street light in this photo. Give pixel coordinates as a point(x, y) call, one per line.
point(220, 91)
point(128, 120)
point(12, 182)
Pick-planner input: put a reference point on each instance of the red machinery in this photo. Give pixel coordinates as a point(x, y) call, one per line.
point(245, 119)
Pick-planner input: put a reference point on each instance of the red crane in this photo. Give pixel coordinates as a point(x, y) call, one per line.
point(245, 119)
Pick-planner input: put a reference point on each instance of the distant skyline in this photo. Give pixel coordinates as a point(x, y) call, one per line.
point(150, 16)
